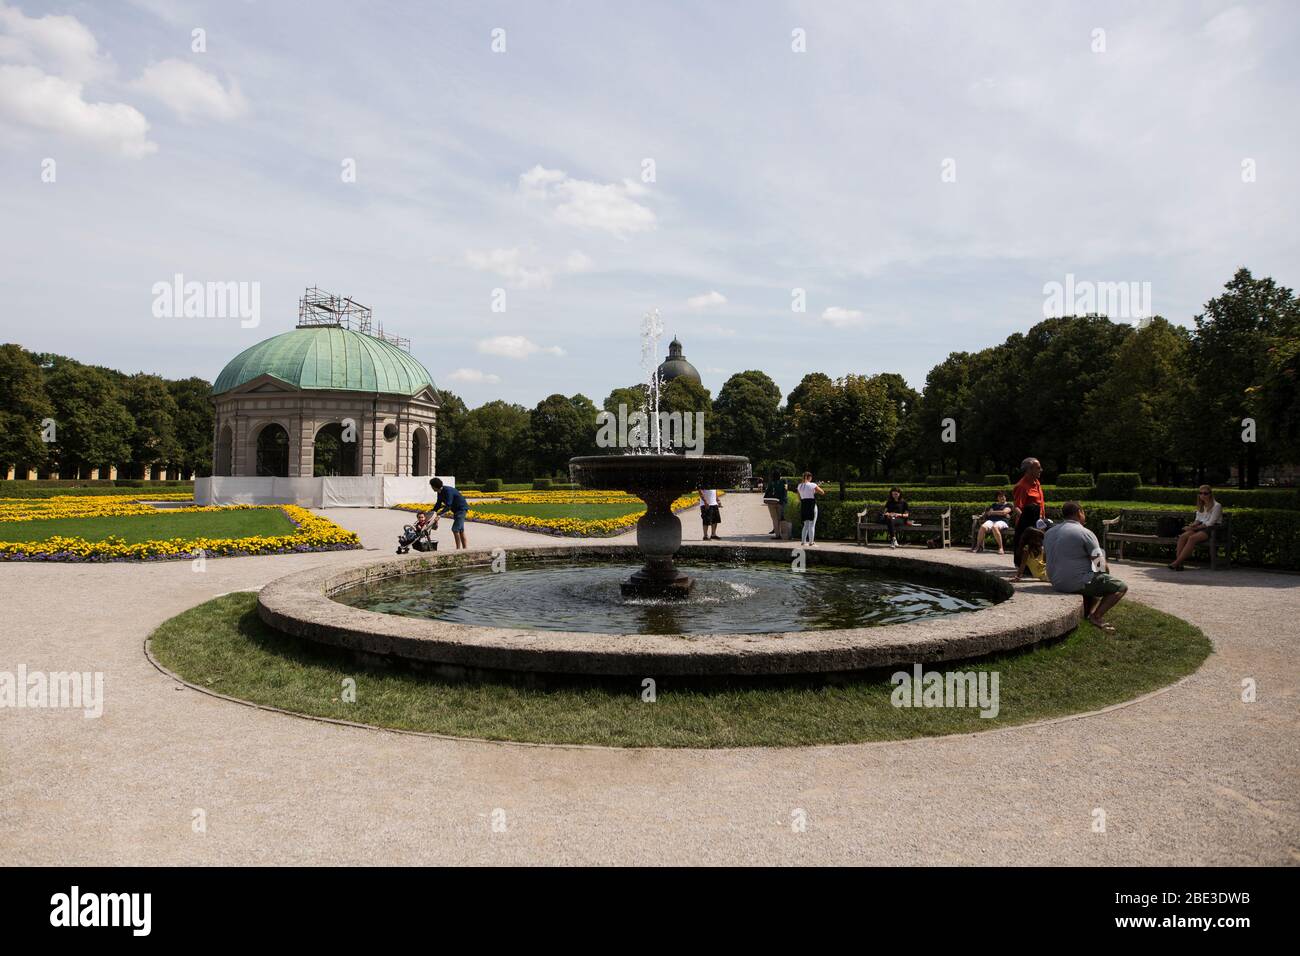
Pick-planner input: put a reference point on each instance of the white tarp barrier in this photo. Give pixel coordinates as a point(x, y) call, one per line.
point(368, 491)
point(401, 490)
point(363, 491)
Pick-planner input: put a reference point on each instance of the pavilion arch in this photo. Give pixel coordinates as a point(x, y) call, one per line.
point(332, 456)
point(271, 451)
point(420, 446)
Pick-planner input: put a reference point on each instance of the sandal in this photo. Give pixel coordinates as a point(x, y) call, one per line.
point(1102, 626)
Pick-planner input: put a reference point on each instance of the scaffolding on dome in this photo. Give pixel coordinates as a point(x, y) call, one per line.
point(317, 308)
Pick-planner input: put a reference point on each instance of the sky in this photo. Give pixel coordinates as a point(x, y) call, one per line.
point(513, 185)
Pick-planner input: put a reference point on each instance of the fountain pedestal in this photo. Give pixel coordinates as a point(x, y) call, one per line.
point(658, 536)
point(658, 480)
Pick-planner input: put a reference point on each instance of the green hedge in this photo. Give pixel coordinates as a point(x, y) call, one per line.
point(493, 484)
point(1117, 485)
point(1078, 479)
point(996, 481)
point(541, 484)
point(1283, 498)
point(1260, 536)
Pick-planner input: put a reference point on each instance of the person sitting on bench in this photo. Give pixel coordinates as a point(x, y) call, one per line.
point(894, 514)
point(996, 518)
point(1208, 514)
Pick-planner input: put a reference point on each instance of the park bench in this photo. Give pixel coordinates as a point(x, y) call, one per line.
point(925, 520)
point(1140, 527)
point(977, 520)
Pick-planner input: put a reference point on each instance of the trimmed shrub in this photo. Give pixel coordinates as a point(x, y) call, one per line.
point(1078, 479)
point(942, 481)
point(541, 484)
point(27, 489)
point(1117, 485)
point(1260, 537)
point(1284, 498)
point(996, 481)
point(493, 484)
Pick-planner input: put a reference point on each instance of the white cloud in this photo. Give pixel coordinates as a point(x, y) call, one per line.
point(839, 316)
point(191, 91)
point(47, 61)
point(60, 44)
point(515, 347)
point(608, 207)
point(578, 262)
point(53, 104)
point(506, 263)
point(474, 376)
point(706, 300)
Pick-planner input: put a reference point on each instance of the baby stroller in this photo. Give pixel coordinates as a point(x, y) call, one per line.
point(418, 536)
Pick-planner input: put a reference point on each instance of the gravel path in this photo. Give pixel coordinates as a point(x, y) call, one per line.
point(1192, 775)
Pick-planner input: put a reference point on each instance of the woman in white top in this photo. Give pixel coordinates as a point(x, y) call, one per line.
point(1208, 514)
point(808, 492)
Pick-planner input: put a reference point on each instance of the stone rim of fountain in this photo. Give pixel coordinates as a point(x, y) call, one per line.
point(300, 604)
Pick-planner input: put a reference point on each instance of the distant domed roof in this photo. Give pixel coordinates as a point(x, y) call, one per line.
point(676, 366)
point(327, 357)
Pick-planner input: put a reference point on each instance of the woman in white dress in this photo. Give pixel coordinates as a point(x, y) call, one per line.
point(1208, 514)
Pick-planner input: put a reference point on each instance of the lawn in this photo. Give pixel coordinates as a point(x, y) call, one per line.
point(136, 529)
point(222, 644)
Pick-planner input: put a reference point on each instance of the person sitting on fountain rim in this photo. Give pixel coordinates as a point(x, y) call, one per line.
point(710, 512)
point(1076, 564)
point(450, 501)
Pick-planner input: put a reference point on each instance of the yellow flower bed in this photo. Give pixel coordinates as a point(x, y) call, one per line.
point(314, 534)
point(85, 506)
point(568, 527)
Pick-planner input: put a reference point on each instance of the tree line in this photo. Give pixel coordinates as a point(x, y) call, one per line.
point(1081, 393)
point(59, 415)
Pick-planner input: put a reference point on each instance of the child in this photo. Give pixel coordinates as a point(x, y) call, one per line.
point(411, 533)
point(1030, 556)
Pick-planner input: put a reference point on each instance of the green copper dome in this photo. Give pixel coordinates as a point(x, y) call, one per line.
point(327, 357)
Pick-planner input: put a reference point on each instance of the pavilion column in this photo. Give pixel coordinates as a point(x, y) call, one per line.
point(9, 473)
point(112, 472)
point(31, 474)
point(93, 475)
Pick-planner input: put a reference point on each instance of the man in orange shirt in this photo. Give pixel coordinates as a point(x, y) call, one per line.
point(1028, 496)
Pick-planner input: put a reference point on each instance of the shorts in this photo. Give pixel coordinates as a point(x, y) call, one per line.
point(995, 523)
point(1101, 585)
point(458, 522)
point(710, 514)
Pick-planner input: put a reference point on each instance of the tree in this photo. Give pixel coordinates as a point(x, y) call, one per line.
point(561, 428)
point(94, 427)
point(1132, 418)
point(848, 423)
point(154, 411)
point(1230, 357)
point(193, 424)
point(633, 398)
point(493, 442)
point(451, 423)
point(905, 400)
point(23, 406)
point(746, 416)
point(793, 444)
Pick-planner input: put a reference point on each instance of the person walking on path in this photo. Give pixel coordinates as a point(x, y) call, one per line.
point(450, 501)
point(1028, 498)
point(894, 514)
point(1076, 564)
point(808, 492)
point(774, 495)
point(710, 512)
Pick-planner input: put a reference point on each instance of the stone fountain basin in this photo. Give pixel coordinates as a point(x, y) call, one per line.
point(300, 605)
point(681, 473)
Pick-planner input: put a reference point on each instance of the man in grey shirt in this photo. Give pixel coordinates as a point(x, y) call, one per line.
point(1076, 564)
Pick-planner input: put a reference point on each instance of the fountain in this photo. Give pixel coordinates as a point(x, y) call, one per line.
point(658, 480)
point(658, 477)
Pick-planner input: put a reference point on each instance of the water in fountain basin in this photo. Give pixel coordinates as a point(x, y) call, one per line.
point(758, 598)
